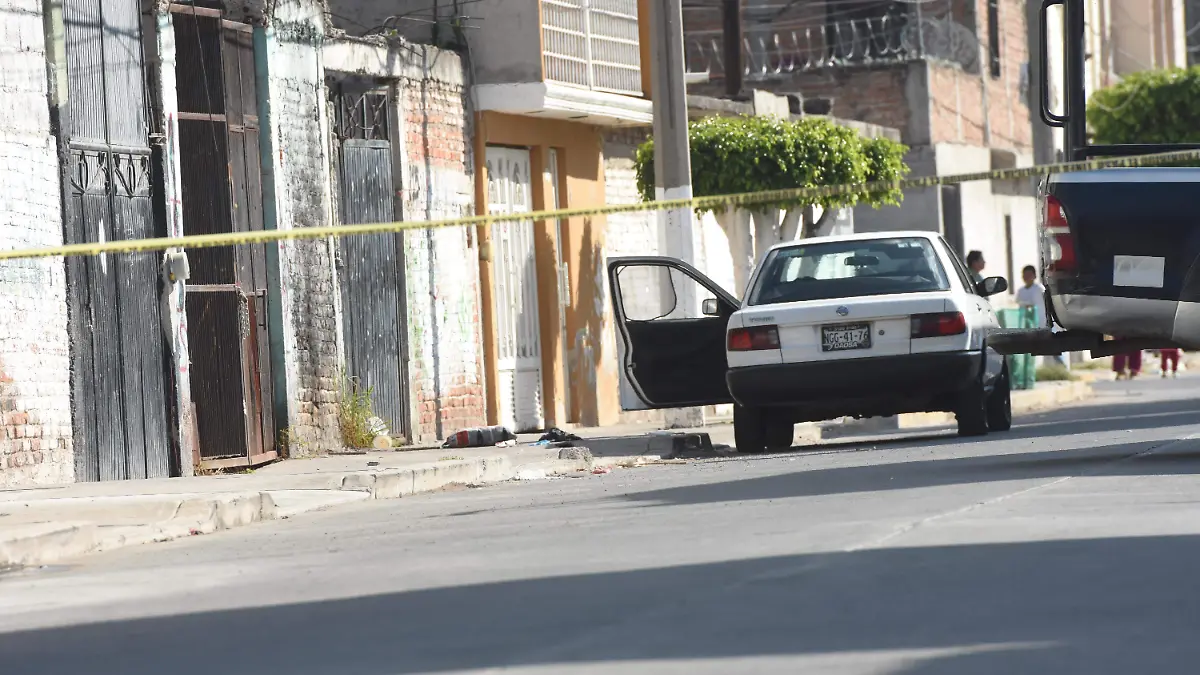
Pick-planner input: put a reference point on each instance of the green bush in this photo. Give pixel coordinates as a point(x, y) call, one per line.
point(354, 414)
point(1054, 373)
point(736, 155)
point(1153, 106)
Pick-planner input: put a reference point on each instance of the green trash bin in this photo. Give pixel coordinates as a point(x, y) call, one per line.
point(1021, 367)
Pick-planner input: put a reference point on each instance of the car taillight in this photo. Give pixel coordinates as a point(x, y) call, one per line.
point(938, 325)
point(753, 339)
point(1059, 247)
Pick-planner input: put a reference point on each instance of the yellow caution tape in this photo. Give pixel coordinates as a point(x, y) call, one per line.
point(715, 202)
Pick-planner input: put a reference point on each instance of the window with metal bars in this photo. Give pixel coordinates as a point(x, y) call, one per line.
point(993, 27)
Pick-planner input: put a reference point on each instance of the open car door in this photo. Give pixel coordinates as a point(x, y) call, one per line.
point(671, 323)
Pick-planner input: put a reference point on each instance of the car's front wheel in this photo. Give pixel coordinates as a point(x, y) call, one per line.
point(999, 404)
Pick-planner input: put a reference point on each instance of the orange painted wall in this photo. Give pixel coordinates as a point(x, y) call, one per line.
point(593, 391)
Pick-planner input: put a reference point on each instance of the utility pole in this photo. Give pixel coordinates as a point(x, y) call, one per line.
point(673, 166)
point(732, 44)
point(672, 157)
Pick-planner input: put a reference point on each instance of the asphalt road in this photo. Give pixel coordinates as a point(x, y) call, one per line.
point(1070, 545)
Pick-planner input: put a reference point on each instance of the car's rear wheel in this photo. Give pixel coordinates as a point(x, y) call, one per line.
point(972, 411)
point(749, 430)
point(779, 433)
point(999, 404)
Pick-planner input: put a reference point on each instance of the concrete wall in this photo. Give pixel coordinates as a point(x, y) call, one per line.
point(445, 362)
point(306, 347)
point(442, 276)
point(506, 47)
point(35, 404)
point(920, 210)
point(1148, 34)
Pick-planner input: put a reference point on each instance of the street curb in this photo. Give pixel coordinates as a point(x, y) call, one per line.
point(44, 531)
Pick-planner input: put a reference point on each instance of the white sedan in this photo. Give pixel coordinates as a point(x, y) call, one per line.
point(868, 325)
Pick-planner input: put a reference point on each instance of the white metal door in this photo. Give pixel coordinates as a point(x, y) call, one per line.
point(518, 339)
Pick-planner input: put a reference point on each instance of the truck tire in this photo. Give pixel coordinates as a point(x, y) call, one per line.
point(972, 411)
point(749, 430)
point(999, 403)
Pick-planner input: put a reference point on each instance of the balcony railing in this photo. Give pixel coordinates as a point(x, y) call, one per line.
point(776, 50)
point(593, 44)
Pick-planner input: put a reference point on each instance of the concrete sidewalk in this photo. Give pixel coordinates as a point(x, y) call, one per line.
point(45, 525)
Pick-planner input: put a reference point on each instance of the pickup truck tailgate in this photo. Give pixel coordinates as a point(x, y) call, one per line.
point(1120, 251)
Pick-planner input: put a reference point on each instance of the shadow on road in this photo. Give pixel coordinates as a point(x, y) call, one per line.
point(1120, 605)
point(1098, 417)
point(934, 473)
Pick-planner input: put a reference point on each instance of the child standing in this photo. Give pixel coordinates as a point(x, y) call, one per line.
point(1032, 294)
point(1170, 356)
point(1127, 366)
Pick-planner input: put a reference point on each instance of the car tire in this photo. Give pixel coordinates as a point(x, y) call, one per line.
point(779, 434)
point(972, 411)
point(999, 403)
point(749, 430)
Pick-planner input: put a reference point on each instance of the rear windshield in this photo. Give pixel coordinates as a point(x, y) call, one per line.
point(848, 269)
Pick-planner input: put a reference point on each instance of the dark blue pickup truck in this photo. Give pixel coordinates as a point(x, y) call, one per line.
point(1120, 246)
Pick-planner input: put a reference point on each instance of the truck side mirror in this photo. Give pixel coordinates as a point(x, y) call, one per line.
point(710, 308)
point(991, 286)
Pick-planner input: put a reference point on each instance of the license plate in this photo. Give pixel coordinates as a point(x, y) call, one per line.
point(844, 337)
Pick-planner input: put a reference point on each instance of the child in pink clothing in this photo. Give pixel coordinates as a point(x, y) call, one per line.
point(1170, 356)
point(1127, 365)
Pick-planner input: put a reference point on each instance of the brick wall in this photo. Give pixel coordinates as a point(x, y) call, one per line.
point(938, 101)
point(442, 276)
point(300, 166)
point(35, 405)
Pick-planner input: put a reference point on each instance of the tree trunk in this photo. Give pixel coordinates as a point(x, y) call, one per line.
point(817, 228)
point(792, 221)
point(766, 231)
point(736, 224)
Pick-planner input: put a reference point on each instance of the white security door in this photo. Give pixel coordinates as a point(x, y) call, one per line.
point(514, 278)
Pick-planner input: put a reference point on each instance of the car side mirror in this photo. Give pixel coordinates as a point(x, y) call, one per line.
point(991, 286)
point(710, 308)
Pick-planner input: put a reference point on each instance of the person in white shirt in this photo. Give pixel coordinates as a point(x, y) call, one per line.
point(1032, 294)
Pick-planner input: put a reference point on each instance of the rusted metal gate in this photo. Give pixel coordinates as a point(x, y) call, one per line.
point(371, 268)
point(118, 372)
point(222, 192)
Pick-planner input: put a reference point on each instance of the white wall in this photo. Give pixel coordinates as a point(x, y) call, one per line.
point(35, 403)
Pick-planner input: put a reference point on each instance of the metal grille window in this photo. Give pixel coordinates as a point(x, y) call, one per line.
point(993, 28)
point(593, 44)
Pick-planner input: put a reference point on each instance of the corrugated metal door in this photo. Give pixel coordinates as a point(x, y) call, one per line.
point(518, 337)
point(370, 268)
point(118, 370)
point(221, 187)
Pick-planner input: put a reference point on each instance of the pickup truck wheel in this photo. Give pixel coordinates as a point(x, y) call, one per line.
point(972, 411)
point(749, 430)
point(999, 404)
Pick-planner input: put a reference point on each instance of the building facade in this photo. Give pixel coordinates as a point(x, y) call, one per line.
point(550, 80)
point(227, 119)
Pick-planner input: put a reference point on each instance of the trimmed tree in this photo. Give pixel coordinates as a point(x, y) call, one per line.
point(734, 155)
point(1153, 106)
